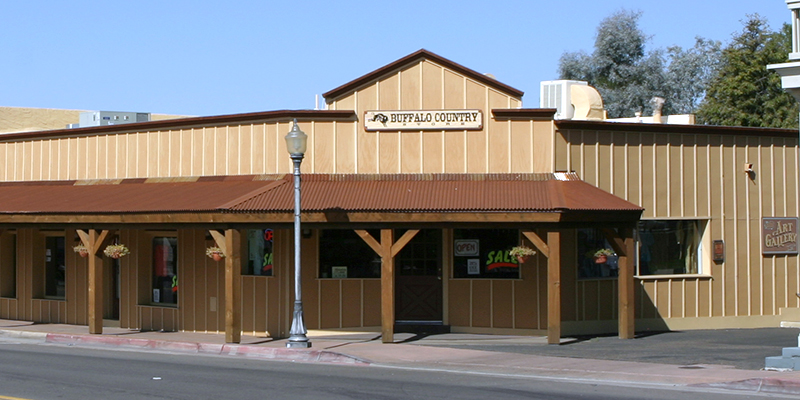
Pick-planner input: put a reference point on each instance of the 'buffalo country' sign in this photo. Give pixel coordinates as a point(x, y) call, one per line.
point(423, 120)
point(779, 235)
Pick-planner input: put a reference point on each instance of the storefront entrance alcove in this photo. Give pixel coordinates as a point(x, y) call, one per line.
point(418, 291)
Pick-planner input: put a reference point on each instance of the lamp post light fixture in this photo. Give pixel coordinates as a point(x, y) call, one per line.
point(296, 146)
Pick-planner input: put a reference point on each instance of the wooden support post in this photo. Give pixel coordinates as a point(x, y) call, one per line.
point(233, 306)
point(386, 250)
point(94, 241)
point(554, 288)
point(387, 286)
point(627, 323)
point(623, 244)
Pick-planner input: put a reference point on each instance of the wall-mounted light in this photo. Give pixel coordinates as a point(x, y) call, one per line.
point(748, 168)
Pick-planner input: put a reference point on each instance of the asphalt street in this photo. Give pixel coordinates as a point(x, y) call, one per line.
point(44, 372)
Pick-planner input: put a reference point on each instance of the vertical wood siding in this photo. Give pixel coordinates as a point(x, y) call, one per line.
point(695, 176)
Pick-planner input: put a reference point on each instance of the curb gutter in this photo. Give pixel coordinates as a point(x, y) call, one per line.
point(272, 353)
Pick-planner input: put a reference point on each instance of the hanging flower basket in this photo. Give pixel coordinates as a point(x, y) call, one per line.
point(521, 253)
point(601, 255)
point(116, 251)
point(215, 253)
point(81, 250)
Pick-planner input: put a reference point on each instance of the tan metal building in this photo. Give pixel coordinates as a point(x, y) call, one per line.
point(418, 179)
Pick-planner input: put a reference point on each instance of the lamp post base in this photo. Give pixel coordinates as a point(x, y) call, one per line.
point(297, 335)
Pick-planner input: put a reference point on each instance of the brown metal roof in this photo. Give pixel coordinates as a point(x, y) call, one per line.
point(401, 193)
point(439, 193)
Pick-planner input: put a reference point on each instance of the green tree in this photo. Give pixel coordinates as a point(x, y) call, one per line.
point(744, 92)
point(628, 77)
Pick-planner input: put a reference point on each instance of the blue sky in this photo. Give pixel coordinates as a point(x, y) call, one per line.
point(212, 57)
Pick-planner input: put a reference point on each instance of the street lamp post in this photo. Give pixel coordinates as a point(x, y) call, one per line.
point(296, 145)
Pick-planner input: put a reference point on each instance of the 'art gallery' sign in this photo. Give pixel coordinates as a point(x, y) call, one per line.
point(779, 235)
point(423, 120)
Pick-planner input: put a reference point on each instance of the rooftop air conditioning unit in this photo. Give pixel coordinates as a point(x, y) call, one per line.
point(556, 94)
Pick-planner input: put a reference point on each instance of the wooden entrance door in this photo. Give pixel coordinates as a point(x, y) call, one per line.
point(418, 284)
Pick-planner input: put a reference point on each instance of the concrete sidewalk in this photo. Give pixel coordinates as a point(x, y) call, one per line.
point(432, 353)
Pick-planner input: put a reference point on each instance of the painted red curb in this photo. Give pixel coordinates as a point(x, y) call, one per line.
point(760, 385)
point(272, 353)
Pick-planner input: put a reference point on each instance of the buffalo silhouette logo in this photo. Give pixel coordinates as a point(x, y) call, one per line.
point(380, 117)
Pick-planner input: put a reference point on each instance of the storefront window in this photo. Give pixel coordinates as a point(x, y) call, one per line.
point(343, 254)
point(483, 253)
point(595, 257)
point(55, 267)
point(259, 252)
point(668, 247)
point(165, 270)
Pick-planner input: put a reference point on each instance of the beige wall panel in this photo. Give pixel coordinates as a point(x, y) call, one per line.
point(38, 157)
point(607, 302)
point(330, 308)
point(644, 307)
point(619, 165)
point(346, 103)
point(459, 295)
point(311, 286)
point(703, 297)
point(677, 164)
point(454, 156)
point(346, 146)
point(569, 274)
point(4, 161)
point(173, 151)
point(481, 303)
point(730, 274)
point(263, 312)
point(275, 134)
point(198, 145)
point(208, 142)
point(352, 303)
point(372, 302)
point(476, 96)
point(389, 159)
point(563, 152)
point(662, 175)
point(676, 298)
point(26, 149)
point(325, 146)
point(368, 149)
point(432, 84)
point(590, 300)
point(634, 170)
point(221, 142)
point(248, 296)
point(743, 279)
point(543, 142)
point(273, 312)
point(235, 151)
point(477, 152)
point(498, 135)
point(367, 142)
point(694, 175)
point(453, 91)
point(502, 303)
point(521, 147)
point(663, 298)
point(769, 292)
point(410, 152)
point(433, 152)
point(648, 175)
point(776, 179)
point(527, 304)
point(411, 88)
point(388, 94)
point(246, 149)
point(257, 149)
point(604, 161)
